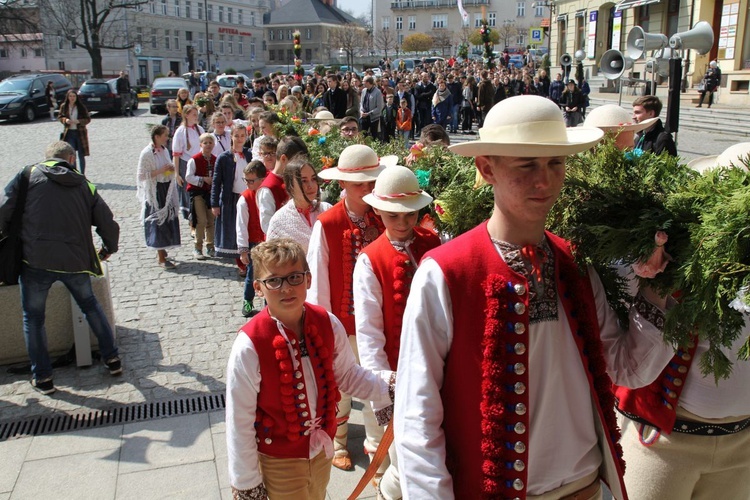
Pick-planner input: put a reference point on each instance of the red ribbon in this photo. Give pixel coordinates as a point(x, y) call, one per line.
point(537, 260)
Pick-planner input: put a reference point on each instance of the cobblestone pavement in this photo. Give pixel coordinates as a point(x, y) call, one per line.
point(175, 328)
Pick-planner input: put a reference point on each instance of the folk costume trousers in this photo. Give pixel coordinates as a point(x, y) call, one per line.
point(295, 478)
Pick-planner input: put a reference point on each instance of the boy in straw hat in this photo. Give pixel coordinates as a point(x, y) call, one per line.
point(616, 121)
point(687, 435)
point(382, 278)
point(337, 238)
point(503, 387)
point(283, 379)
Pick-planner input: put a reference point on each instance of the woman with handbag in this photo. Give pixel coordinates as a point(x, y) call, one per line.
point(75, 117)
point(711, 81)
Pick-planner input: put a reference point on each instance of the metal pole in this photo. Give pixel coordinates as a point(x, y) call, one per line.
point(619, 91)
point(208, 52)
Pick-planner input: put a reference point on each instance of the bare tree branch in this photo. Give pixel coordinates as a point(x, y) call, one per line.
point(385, 40)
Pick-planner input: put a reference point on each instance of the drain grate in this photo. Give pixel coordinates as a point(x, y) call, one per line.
point(89, 419)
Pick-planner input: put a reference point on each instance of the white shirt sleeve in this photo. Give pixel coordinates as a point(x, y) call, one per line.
point(352, 378)
point(190, 176)
point(243, 217)
point(634, 358)
point(317, 258)
point(426, 338)
point(178, 141)
point(266, 207)
point(255, 149)
point(243, 385)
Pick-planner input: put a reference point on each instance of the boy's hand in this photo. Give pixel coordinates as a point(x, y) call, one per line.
point(245, 258)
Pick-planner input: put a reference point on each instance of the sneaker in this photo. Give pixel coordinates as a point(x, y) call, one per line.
point(198, 254)
point(211, 252)
point(114, 365)
point(45, 385)
point(247, 309)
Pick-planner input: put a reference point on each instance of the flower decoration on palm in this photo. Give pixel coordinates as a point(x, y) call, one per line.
point(299, 71)
point(488, 57)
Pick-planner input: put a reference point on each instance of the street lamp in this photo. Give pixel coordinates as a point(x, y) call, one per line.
point(552, 6)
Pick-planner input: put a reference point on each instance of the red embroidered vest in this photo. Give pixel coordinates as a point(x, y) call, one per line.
point(395, 271)
point(254, 232)
point(345, 241)
point(282, 417)
point(657, 402)
point(484, 391)
point(202, 169)
point(276, 184)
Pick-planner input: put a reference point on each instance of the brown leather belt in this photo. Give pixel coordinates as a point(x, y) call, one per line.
point(584, 493)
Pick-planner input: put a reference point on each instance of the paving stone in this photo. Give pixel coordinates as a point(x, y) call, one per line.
point(196, 480)
point(74, 443)
point(12, 455)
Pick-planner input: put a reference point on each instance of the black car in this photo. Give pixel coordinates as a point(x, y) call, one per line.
point(23, 96)
point(162, 90)
point(98, 94)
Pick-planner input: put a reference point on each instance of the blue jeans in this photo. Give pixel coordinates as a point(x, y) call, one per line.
point(455, 112)
point(74, 139)
point(35, 285)
point(404, 134)
point(249, 290)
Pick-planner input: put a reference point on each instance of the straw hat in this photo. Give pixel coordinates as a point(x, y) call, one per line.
point(610, 117)
point(324, 114)
point(733, 155)
point(528, 126)
point(358, 163)
point(397, 190)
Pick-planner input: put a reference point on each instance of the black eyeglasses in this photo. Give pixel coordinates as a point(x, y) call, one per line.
point(251, 181)
point(294, 279)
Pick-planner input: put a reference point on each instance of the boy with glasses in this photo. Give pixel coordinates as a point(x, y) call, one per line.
point(349, 127)
point(283, 379)
point(249, 232)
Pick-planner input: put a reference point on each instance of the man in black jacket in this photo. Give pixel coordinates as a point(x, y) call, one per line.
point(61, 206)
point(425, 89)
point(335, 98)
point(123, 90)
point(655, 139)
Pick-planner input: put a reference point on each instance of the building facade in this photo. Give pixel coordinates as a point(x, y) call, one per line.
point(517, 22)
point(21, 53)
point(174, 35)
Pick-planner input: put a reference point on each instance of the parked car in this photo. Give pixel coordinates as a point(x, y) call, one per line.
point(409, 64)
point(162, 90)
point(98, 94)
point(23, 95)
point(516, 60)
point(229, 82)
point(433, 60)
point(210, 75)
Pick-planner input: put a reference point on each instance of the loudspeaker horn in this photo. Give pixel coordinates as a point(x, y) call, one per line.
point(613, 64)
point(700, 38)
point(639, 42)
point(660, 66)
point(580, 55)
point(566, 60)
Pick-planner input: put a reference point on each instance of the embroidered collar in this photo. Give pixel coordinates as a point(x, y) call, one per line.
point(537, 265)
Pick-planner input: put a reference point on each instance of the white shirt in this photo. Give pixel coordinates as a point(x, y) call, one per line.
point(190, 176)
point(266, 206)
point(239, 186)
point(243, 385)
point(562, 443)
point(287, 222)
point(243, 218)
point(180, 142)
point(317, 258)
point(223, 142)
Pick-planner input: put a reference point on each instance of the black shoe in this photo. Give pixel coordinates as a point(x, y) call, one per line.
point(114, 365)
point(45, 386)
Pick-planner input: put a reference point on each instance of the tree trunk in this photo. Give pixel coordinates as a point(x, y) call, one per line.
point(96, 62)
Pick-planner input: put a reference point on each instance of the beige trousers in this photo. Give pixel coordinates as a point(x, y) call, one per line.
point(205, 224)
point(685, 466)
point(296, 478)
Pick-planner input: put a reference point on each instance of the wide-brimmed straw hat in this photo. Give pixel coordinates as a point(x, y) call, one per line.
point(323, 114)
point(610, 117)
point(358, 163)
point(397, 190)
point(528, 126)
point(733, 155)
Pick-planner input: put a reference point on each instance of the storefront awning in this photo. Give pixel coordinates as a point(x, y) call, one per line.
point(629, 4)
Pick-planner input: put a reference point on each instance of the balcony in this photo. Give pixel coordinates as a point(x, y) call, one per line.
point(434, 4)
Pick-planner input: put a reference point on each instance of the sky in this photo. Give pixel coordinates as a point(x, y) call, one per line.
point(357, 6)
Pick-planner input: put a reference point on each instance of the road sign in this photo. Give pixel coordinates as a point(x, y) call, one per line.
point(535, 35)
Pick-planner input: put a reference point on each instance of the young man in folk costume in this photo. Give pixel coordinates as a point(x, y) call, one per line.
point(283, 379)
point(687, 435)
point(337, 238)
point(382, 278)
point(503, 387)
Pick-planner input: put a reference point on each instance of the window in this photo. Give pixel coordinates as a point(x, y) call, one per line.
point(562, 36)
point(400, 38)
point(200, 11)
point(520, 9)
point(271, 55)
point(38, 53)
point(153, 38)
point(581, 32)
point(477, 20)
point(386, 22)
point(60, 40)
point(176, 40)
point(271, 35)
point(241, 46)
point(187, 9)
point(239, 16)
point(200, 42)
point(230, 44)
point(539, 11)
point(152, 6)
point(491, 18)
point(288, 54)
point(164, 7)
point(252, 50)
point(61, 65)
point(308, 34)
point(24, 53)
point(643, 17)
point(412, 22)
point(73, 45)
point(308, 54)
point(3, 53)
point(221, 14)
point(440, 21)
point(166, 39)
point(521, 39)
point(281, 34)
point(290, 35)
point(139, 35)
point(157, 67)
point(252, 18)
point(230, 15)
point(466, 21)
point(211, 43)
point(399, 23)
point(210, 13)
point(177, 8)
point(189, 37)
